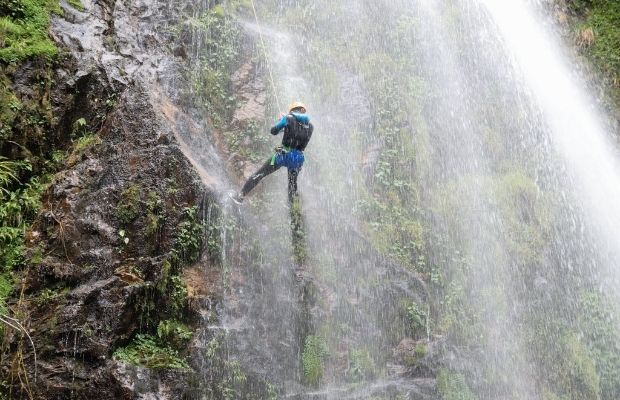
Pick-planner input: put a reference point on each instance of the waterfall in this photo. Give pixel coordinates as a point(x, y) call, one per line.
point(458, 217)
point(589, 152)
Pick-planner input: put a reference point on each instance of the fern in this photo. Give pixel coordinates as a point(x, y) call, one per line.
point(8, 173)
point(148, 351)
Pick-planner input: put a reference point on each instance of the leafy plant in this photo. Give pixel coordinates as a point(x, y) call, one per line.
point(174, 332)
point(8, 173)
point(212, 79)
point(188, 243)
point(17, 209)
point(86, 141)
point(418, 318)
point(177, 293)
point(129, 206)
point(313, 359)
point(361, 365)
point(148, 351)
point(155, 214)
point(452, 386)
point(48, 295)
point(79, 127)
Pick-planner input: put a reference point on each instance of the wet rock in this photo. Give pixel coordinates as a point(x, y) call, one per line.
point(418, 358)
point(85, 281)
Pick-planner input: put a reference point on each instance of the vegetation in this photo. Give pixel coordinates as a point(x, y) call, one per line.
point(156, 215)
point(452, 386)
point(188, 244)
point(418, 318)
point(598, 323)
point(77, 4)
point(23, 30)
point(128, 207)
point(18, 207)
point(212, 79)
point(149, 351)
point(313, 359)
point(175, 333)
point(361, 365)
point(24, 174)
point(598, 28)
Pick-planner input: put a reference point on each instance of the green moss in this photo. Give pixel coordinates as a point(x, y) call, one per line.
point(85, 142)
point(129, 206)
point(576, 371)
point(156, 214)
point(598, 325)
point(150, 352)
point(174, 332)
point(212, 79)
point(526, 213)
point(452, 386)
point(313, 359)
point(361, 365)
point(77, 4)
point(548, 395)
point(604, 18)
point(420, 350)
point(23, 29)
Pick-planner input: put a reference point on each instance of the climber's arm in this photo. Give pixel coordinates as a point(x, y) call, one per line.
point(280, 125)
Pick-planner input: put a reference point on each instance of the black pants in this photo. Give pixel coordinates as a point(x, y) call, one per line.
point(267, 169)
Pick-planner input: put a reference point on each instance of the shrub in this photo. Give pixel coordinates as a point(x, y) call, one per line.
point(129, 206)
point(361, 365)
point(313, 359)
point(417, 317)
point(148, 351)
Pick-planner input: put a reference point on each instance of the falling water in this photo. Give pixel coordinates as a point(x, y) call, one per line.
point(588, 151)
point(459, 196)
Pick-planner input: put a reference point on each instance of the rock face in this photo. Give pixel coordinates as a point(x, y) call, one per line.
point(100, 250)
point(98, 272)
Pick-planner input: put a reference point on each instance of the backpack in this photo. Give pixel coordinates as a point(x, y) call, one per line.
point(296, 134)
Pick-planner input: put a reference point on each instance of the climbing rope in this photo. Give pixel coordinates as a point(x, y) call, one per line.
point(267, 59)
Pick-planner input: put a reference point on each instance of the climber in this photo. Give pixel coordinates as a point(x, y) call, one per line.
point(297, 133)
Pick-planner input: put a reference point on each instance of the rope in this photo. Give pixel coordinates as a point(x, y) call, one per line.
point(260, 35)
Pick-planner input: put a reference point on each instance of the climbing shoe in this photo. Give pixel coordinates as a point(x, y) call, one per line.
point(236, 197)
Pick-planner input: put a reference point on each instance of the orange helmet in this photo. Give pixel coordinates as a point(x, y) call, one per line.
point(296, 105)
